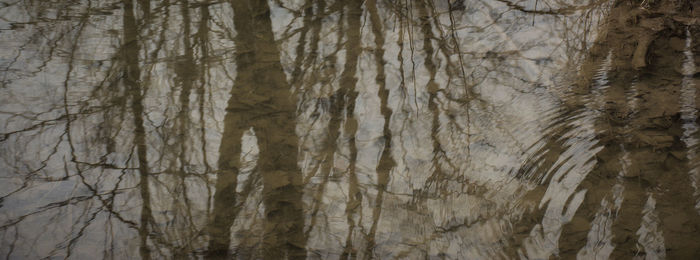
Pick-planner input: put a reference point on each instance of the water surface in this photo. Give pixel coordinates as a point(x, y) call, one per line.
point(311, 129)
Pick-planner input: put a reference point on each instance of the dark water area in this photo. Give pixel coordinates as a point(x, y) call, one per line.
point(375, 129)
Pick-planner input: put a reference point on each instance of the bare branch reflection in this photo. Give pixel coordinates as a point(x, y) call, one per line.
point(349, 129)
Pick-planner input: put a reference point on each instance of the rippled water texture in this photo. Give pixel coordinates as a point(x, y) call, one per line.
point(311, 129)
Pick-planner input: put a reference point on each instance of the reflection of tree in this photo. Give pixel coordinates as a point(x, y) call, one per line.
point(103, 143)
point(630, 207)
point(437, 177)
point(260, 99)
point(132, 77)
point(98, 202)
point(124, 148)
point(345, 98)
point(386, 161)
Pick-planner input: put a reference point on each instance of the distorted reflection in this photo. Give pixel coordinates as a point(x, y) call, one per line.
point(312, 129)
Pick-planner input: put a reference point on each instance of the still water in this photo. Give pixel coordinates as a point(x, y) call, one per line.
point(311, 129)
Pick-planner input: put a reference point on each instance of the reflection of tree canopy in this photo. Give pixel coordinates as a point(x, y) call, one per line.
point(342, 128)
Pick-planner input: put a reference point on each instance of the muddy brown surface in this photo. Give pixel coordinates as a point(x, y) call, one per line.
point(427, 129)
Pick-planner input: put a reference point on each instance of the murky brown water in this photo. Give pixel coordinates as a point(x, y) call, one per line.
point(426, 129)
